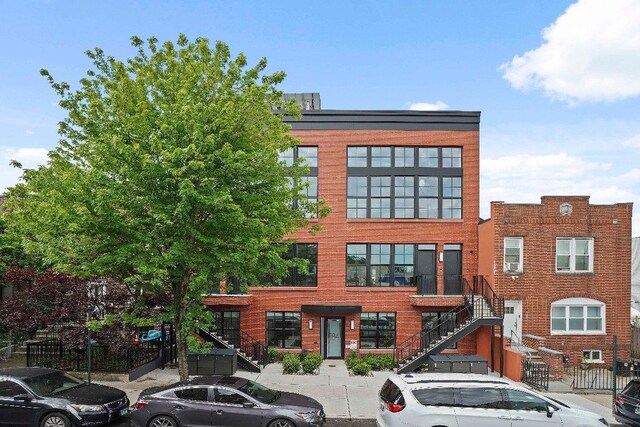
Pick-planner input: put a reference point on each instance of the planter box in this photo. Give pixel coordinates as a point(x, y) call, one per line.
point(216, 362)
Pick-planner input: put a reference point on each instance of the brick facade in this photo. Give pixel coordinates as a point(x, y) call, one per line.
point(338, 231)
point(539, 285)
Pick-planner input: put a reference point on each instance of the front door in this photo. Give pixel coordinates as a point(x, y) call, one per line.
point(426, 270)
point(452, 259)
point(513, 319)
point(334, 337)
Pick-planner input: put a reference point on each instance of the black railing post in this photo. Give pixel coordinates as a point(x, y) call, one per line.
point(614, 369)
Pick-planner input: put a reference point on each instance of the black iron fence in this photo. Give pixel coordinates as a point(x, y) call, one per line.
point(51, 353)
point(536, 375)
point(590, 377)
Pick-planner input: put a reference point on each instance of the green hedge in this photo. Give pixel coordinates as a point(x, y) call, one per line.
point(361, 367)
point(375, 362)
point(311, 362)
point(291, 363)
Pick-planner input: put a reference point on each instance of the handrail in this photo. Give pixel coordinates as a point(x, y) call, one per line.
point(251, 347)
point(425, 337)
point(521, 347)
point(426, 284)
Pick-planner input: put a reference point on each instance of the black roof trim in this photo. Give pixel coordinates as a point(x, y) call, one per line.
point(386, 120)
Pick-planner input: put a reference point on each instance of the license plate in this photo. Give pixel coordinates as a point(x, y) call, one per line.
point(124, 411)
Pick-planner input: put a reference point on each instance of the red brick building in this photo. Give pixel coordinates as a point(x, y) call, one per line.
point(398, 250)
point(564, 269)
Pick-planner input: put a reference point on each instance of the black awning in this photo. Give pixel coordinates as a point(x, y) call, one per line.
point(331, 309)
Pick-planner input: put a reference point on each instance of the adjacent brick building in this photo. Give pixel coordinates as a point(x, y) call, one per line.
point(564, 269)
point(400, 243)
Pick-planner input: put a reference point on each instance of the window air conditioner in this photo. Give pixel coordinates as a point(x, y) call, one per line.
point(512, 266)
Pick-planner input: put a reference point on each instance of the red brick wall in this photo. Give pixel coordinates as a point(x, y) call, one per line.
point(337, 231)
point(539, 285)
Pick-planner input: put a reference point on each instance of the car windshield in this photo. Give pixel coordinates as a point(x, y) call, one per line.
point(52, 384)
point(259, 392)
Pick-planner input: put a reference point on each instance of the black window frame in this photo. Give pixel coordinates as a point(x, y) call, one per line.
point(283, 329)
point(293, 279)
point(375, 205)
point(378, 336)
point(369, 265)
point(440, 319)
point(226, 323)
point(312, 174)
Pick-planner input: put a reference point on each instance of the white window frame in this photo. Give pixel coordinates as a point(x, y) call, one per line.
point(507, 265)
point(572, 255)
point(579, 302)
point(590, 359)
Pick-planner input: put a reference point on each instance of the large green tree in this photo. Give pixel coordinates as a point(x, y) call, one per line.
point(166, 176)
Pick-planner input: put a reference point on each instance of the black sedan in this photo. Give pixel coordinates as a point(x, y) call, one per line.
point(224, 402)
point(627, 407)
point(50, 398)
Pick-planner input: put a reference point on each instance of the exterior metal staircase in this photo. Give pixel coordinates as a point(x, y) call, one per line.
point(481, 307)
point(252, 354)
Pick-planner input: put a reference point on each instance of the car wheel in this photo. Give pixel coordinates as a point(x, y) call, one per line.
point(163, 421)
point(55, 419)
point(281, 423)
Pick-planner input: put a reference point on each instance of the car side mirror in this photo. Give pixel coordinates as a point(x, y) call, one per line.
point(550, 411)
point(248, 405)
point(22, 397)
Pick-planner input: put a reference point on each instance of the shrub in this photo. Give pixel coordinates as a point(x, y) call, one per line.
point(311, 362)
point(303, 354)
point(291, 363)
point(380, 362)
point(351, 359)
point(274, 355)
point(361, 368)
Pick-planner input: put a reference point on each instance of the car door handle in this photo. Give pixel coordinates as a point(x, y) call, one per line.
point(218, 412)
point(178, 407)
point(505, 417)
point(517, 418)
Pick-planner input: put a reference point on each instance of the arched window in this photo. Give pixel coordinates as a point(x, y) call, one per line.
point(578, 316)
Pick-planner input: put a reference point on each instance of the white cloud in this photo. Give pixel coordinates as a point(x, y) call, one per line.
point(633, 142)
point(525, 178)
point(28, 132)
point(590, 53)
point(28, 157)
point(427, 106)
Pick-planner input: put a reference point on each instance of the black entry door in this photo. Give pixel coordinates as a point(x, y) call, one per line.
point(452, 271)
point(426, 272)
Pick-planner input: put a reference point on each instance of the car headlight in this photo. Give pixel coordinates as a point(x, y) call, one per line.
point(88, 408)
point(603, 421)
point(306, 415)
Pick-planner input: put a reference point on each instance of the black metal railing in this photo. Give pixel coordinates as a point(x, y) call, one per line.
point(453, 284)
point(251, 347)
point(535, 374)
point(451, 321)
point(482, 288)
point(427, 284)
point(51, 353)
point(589, 377)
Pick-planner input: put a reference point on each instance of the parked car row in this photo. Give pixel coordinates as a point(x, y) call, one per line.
point(43, 397)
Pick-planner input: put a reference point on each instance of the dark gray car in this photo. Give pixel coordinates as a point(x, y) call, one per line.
point(224, 402)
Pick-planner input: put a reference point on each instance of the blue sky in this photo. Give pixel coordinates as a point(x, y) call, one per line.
point(558, 82)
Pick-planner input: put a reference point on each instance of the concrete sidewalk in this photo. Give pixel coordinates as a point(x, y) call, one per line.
point(342, 395)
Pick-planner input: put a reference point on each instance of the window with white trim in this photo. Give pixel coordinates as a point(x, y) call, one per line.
point(574, 255)
point(513, 254)
point(592, 356)
point(577, 316)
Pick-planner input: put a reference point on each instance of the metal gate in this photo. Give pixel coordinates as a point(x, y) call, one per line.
point(536, 375)
point(599, 378)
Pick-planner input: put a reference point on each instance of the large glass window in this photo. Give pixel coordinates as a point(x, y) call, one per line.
point(307, 155)
point(284, 329)
point(574, 255)
point(438, 324)
point(404, 182)
point(513, 254)
point(377, 330)
point(380, 264)
point(577, 316)
point(299, 276)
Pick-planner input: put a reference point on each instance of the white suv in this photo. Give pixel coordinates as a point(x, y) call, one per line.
point(448, 400)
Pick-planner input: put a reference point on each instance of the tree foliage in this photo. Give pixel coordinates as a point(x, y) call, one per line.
point(166, 176)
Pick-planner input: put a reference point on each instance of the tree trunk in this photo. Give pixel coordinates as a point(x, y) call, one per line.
point(180, 305)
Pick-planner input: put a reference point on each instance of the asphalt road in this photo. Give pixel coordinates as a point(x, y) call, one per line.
point(336, 422)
